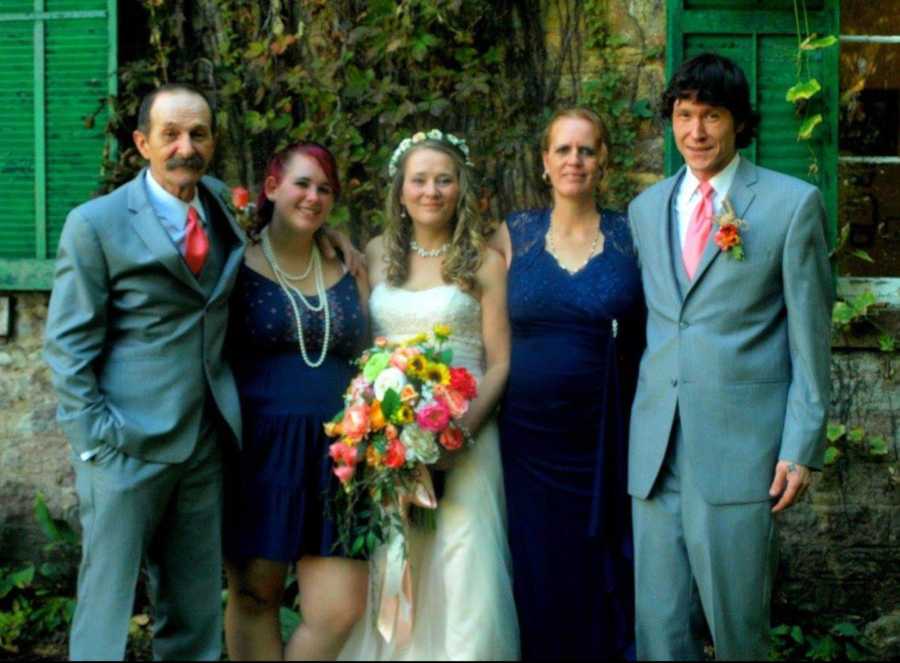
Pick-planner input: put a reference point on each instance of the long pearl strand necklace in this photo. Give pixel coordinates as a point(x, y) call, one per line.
point(551, 249)
point(283, 278)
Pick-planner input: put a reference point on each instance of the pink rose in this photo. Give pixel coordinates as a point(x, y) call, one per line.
point(454, 401)
point(433, 417)
point(401, 356)
point(359, 388)
point(356, 421)
point(344, 473)
point(341, 452)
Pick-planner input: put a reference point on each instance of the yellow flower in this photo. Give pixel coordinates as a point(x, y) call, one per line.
point(442, 332)
point(416, 365)
point(403, 415)
point(437, 373)
point(373, 458)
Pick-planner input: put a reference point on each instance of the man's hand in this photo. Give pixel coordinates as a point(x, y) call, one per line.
point(354, 260)
point(791, 481)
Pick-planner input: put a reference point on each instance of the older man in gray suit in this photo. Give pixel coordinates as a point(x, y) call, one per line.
point(134, 340)
point(734, 384)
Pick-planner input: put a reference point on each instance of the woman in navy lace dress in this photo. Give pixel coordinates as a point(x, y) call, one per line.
point(298, 319)
point(575, 303)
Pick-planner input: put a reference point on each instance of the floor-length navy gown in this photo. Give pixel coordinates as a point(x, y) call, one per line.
point(563, 430)
point(281, 481)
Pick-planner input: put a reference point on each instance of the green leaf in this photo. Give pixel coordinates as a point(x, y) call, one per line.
point(862, 255)
point(878, 446)
point(357, 546)
point(44, 520)
point(446, 356)
point(797, 635)
point(842, 314)
point(835, 431)
point(389, 403)
point(887, 343)
point(781, 629)
point(290, 620)
point(809, 126)
point(853, 652)
point(813, 43)
point(642, 109)
point(831, 455)
point(803, 90)
point(846, 629)
point(856, 434)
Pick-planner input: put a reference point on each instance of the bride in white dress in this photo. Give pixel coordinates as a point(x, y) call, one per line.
point(430, 266)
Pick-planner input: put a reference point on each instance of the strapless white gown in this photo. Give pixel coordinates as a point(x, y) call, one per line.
point(462, 581)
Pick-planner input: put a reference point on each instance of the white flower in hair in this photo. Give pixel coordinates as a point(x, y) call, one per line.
point(418, 137)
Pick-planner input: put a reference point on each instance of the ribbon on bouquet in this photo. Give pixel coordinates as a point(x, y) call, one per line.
point(395, 612)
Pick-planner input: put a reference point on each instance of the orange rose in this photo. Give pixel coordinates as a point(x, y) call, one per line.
point(240, 197)
point(376, 416)
point(333, 429)
point(356, 421)
point(727, 236)
point(451, 439)
point(452, 400)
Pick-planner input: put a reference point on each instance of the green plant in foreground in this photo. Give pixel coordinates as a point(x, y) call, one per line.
point(841, 641)
point(36, 597)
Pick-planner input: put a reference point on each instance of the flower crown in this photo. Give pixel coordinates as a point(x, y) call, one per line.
point(434, 134)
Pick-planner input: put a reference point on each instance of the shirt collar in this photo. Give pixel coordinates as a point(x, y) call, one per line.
point(720, 182)
point(172, 207)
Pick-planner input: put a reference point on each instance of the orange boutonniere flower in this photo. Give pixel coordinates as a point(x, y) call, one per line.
point(728, 236)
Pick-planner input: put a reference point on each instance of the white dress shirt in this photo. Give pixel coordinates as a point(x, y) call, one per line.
point(689, 194)
point(172, 211)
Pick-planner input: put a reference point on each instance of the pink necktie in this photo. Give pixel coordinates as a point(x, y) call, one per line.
point(698, 229)
point(196, 243)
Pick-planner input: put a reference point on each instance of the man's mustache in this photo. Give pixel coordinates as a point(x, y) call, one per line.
point(193, 162)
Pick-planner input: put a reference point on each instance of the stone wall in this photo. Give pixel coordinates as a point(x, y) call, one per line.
point(33, 452)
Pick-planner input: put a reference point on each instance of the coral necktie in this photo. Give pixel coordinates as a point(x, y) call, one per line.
point(196, 243)
point(698, 229)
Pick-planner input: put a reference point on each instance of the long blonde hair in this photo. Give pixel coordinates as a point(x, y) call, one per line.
point(467, 234)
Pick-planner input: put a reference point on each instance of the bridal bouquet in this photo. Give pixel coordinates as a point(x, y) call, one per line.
point(401, 413)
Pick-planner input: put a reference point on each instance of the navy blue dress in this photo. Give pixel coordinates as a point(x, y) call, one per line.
point(281, 481)
point(563, 433)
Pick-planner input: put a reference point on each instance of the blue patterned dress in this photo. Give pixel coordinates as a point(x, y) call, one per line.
point(280, 484)
point(563, 432)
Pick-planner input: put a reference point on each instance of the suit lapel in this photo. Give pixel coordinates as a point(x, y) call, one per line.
point(148, 227)
point(232, 238)
point(664, 231)
point(740, 196)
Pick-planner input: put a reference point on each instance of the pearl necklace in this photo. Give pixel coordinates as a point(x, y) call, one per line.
point(315, 264)
point(425, 253)
point(551, 249)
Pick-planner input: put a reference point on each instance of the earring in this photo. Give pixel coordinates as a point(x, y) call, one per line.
point(546, 177)
point(403, 213)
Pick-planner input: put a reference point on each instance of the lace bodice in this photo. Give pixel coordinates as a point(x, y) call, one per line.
point(399, 314)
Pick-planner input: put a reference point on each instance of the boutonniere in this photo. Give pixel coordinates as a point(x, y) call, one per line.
point(240, 206)
point(728, 236)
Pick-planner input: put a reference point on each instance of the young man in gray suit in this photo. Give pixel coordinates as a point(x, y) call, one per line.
point(134, 340)
point(734, 384)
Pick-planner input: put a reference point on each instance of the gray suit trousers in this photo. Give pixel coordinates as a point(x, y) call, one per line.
point(695, 559)
point(169, 515)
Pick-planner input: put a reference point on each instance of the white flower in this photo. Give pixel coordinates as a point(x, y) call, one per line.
point(418, 137)
point(389, 378)
point(420, 445)
point(435, 134)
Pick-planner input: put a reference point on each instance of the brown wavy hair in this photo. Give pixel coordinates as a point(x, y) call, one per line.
point(467, 233)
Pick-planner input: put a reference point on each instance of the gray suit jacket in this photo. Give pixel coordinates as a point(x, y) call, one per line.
point(134, 341)
point(743, 355)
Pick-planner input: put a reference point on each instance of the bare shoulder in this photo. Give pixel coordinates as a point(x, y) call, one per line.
point(492, 270)
point(375, 259)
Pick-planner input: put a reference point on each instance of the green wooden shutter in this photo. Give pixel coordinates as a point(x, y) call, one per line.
point(761, 36)
point(59, 70)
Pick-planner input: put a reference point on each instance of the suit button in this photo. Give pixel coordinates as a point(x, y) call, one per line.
point(684, 325)
point(674, 382)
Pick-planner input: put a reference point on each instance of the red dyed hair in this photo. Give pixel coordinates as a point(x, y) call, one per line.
point(275, 168)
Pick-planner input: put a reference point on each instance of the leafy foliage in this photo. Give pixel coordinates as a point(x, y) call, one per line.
point(359, 75)
point(841, 641)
